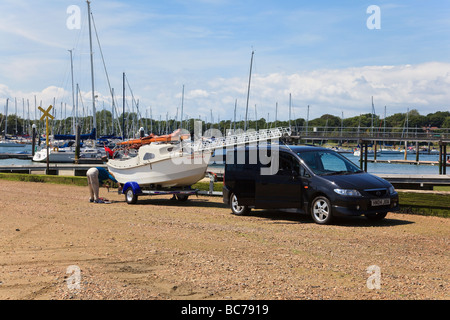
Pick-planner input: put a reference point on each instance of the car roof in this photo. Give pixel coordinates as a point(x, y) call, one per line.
point(304, 148)
point(295, 149)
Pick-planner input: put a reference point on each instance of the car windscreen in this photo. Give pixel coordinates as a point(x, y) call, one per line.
point(328, 162)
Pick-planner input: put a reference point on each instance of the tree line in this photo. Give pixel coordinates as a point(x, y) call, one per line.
point(131, 123)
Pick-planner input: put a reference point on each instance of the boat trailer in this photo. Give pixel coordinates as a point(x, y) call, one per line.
point(132, 190)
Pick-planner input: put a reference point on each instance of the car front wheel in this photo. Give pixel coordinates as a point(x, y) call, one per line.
point(321, 210)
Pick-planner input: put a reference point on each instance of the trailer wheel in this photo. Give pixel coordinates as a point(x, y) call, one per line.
point(182, 197)
point(130, 197)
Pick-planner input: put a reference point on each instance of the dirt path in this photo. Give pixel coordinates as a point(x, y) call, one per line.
point(165, 249)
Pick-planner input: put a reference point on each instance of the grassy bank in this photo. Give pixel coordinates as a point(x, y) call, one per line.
point(78, 181)
point(428, 204)
point(410, 202)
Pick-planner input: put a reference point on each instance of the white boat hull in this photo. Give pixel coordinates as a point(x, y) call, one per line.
point(174, 170)
point(12, 145)
point(64, 155)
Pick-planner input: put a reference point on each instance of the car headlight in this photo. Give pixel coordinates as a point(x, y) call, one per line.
point(391, 190)
point(348, 192)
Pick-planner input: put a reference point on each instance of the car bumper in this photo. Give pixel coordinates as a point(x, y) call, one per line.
point(226, 195)
point(361, 207)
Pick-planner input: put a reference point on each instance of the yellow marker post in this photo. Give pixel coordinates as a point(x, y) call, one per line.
point(46, 114)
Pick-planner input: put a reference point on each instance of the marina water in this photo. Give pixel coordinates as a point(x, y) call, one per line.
point(377, 168)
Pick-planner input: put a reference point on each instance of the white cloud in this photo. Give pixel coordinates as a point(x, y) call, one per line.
point(423, 87)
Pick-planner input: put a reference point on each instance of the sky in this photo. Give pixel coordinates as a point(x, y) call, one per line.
point(332, 56)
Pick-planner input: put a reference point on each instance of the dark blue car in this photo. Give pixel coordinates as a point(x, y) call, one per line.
point(317, 180)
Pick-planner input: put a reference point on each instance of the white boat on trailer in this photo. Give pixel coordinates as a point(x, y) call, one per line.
point(161, 166)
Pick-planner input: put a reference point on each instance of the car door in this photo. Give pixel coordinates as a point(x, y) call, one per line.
point(241, 175)
point(283, 189)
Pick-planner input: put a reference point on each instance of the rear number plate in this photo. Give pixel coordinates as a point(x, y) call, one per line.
point(380, 202)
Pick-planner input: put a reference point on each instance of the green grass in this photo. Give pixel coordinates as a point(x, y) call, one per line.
point(204, 186)
point(78, 181)
point(425, 204)
point(442, 188)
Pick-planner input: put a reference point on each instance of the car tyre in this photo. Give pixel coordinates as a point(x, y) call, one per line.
point(130, 197)
point(376, 216)
point(321, 210)
point(236, 208)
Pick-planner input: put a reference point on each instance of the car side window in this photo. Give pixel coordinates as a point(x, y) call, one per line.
point(288, 164)
point(304, 172)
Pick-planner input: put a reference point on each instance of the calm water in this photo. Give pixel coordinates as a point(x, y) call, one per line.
point(395, 168)
point(385, 168)
point(381, 168)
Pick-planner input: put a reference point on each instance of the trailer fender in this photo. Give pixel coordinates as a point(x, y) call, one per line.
point(134, 186)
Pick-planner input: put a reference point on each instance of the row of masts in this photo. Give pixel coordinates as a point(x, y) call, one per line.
point(109, 121)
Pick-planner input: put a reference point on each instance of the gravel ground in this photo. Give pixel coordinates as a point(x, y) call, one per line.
point(163, 249)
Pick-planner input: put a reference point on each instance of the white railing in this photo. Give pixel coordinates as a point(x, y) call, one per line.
point(251, 137)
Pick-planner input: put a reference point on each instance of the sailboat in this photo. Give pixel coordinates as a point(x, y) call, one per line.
point(162, 165)
point(7, 142)
point(63, 150)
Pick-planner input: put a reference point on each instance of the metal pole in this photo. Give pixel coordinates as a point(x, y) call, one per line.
point(365, 156)
point(361, 150)
point(73, 94)
point(77, 143)
point(182, 104)
point(94, 119)
point(46, 141)
point(6, 119)
point(123, 108)
point(248, 92)
point(290, 104)
point(417, 151)
point(444, 159)
point(33, 142)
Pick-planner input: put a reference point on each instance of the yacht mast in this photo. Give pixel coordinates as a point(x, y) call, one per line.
point(74, 118)
point(248, 92)
point(94, 120)
point(6, 119)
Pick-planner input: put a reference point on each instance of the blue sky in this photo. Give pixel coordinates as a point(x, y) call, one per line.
point(321, 52)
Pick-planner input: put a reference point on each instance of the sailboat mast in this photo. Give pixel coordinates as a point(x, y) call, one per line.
point(234, 127)
point(248, 92)
point(123, 107)
point(74, 121)
point(94, 120)
point(182, 105)
point(6, 118)
point(290, 106)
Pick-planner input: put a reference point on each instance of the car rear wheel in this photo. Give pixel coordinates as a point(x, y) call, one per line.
point(321, 210)
point(376, 216)
point(236, 208)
